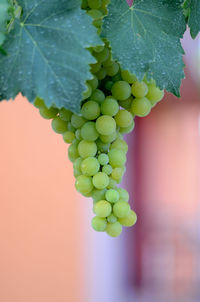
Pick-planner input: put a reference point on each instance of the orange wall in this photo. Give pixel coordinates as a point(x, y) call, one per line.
point(41, 228)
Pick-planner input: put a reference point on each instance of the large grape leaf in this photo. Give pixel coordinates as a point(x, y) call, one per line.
point(4, 5)
point(193, 7)
point(145, 38)
point(47, 55)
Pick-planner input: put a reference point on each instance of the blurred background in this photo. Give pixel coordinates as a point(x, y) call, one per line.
point(48, 251)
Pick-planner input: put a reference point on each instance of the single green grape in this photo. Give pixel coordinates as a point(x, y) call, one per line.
point(113, 69)
point(95, 14)
point(121, 90)
point(111, 218)
point(129, 220)
point(109, 106)
point(112, 183)
point(102, 147)
point(98, 194)
point(141, 107)
point(121, 209)
point(101, 74)
point(123, 194)
point(114, 229)
point(89, 132)
point(72, 153)
point(154, 94)
point(109, 85)
point(95, 67)
point(117, 174)
point(97, 96)
point(90, 110)
point(84, 4)
point(39, 103)
point(128, 77)
point(90, 166)
point(100, 180)
point(84, 184)
point(77, 121)
point(139, 89)
point(99, 224)
point(105, 125)
point(68, 137)
point(117, 158)
point(77, 165)
point(70, 127)
point(87, 93)
point(125, 130)
point(123, 118)
point(112, 195)
point(65, 114)
point(103, 159)
point(120, 144)
point(94, 4)
point(107, 169)
point(126, 104)
point(78, 134)
point(58, 125)
point(117, 78)
point(48, 113)
point(102, 56)
point(94, 83)
point(102, 208)
point(87, 149)
point(98, 48)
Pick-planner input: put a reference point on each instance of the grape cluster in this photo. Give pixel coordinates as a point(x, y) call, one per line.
point(97, 148)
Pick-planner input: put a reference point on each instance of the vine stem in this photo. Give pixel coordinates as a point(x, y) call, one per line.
point(130, 2)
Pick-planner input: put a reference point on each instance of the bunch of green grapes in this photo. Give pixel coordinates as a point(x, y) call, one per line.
point(97, 148)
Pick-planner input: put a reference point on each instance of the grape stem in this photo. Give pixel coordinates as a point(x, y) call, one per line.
point(130, 2)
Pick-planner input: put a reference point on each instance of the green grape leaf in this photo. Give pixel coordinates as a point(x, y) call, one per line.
point(4, 5)
point(145, 39)
point(47, 55)
point(193, 7)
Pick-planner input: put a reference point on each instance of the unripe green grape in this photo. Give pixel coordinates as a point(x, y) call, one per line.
point(77, 121)
point(117, 78)
point(123, 118)
point(121, 90)
point(77, 164)
point(68, 137)
point(98, 195)
point(84, 4)
point(58, 125)
point(65, 114)
point(90, 166)
point(108, 62)
point(129, 220)
point(117, 174)
point(154, 94)
point(87, 149)
point(99, 224)
point(112, 195)
point(78, 134)
point(119, 144)
point(98, 22)
point(94, 83)
point(128, 76)
point(94, 4)
point(72, 153)
point(95, 67)
point(97, 96)
point(126, 104)
point(113, 69)
point(107, 169)
point(39, 103)
point(108, 138)
point(100, 180)
point(141, 107)
point(123, 194)
point(89, 132)
point(48, 113)
point(70, 127)
point(102, 147)
point(102, 208)
point(103, 159)
point(112, 183)
point(139, 89)
point(87, 93)
point(117, 158)
point(114, 229)
point(90, 110)
point(95, 14)
point(76, 173)
point(111, 218)
point(125, 130)
point(101, 74)
point(121, 209)
point(76, 142)
point(109, 106)
point(105, 125)
point(109, 85)
point(84, 184)
point(102, 56)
